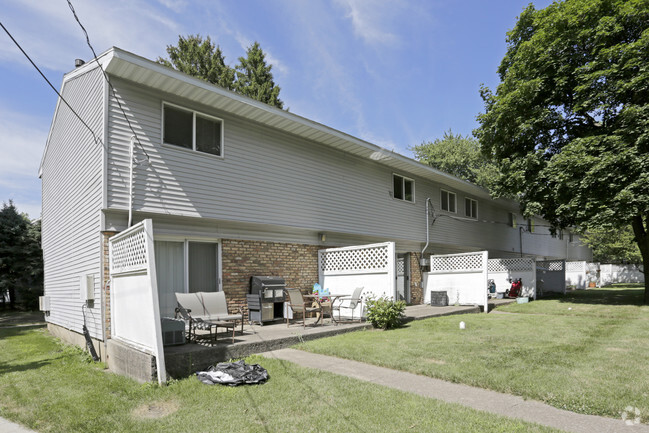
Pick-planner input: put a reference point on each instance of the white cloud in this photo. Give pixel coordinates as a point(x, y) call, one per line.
point(369, 20)
point(50, 35)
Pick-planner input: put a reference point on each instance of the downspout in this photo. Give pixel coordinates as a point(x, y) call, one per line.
point(520, 239)
point(130, 182)
point(427, 228)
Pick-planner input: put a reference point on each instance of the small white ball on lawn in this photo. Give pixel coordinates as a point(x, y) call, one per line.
point(569, 308)
point(462, 325)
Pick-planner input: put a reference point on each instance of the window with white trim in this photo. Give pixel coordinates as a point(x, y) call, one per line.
point(512, 219)
point(530, 225)
point(192, 130)
point(404, 188)
point(471, 208)
point(449, 201)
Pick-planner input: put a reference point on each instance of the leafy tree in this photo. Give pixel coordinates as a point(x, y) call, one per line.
point(458, 155)
point(612, 245)
point(568, 124)
point(255, 79)
point(21, 257)
point(200, 58)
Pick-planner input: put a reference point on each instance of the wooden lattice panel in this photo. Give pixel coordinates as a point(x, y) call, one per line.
point(374, 259)
point(469, 262)
point(519, 264)
point(128, 253)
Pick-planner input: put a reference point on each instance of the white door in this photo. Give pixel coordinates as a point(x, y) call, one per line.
point(403, 278)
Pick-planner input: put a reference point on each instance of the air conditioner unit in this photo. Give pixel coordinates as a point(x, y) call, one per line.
point(44, 303)
point(87, 287)
point(173, 331)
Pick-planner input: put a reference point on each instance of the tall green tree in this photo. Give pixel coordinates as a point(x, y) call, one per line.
point(612, 245)
point(458, 155)
point(200, 58)
point(21, 257)
point(568, 125)
point(255, 79)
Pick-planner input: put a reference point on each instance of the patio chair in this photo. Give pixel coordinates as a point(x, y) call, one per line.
point(216, 308)
point(190, 309)
point(299, 305)
point(349, 303)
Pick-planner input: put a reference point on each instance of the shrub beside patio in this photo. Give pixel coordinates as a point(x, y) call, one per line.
point(55, 388)
point(573, 353)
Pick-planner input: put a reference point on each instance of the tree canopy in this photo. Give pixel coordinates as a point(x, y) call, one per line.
point(568, 125)
point(21, 258)
point(458, 155)
point(612, 245)
point(200, 58)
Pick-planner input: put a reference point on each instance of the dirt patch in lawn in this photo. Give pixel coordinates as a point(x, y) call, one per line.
point(155, 410)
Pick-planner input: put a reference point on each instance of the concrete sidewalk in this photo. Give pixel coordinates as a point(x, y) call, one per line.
point(477, 398)
point(10, 427)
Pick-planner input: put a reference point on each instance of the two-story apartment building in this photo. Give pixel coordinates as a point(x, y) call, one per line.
point(237, 188)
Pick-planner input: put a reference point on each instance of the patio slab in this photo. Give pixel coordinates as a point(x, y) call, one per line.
point(186, 359)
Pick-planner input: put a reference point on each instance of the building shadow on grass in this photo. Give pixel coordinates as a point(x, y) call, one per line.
point(630, 294)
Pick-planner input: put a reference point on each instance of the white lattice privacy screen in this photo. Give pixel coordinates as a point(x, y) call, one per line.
point(510, 265)
point(372, 267)
point(135, 312)
point(355, 259)
point(457, 263)
point(504, 271)
point(551, 276)
point(578, 275)
point(462, 276)
point(576, 266)
point(128, 251)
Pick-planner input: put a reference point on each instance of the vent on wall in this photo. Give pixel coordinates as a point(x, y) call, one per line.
point(87, 289)
point(44, 303)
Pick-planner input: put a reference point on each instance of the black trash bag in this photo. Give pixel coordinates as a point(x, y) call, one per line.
point(233, 374)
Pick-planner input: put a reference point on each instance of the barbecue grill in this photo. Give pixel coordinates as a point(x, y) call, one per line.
point(266, 299)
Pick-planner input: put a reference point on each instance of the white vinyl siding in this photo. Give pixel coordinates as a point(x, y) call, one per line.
point(72, 197)
point(276, 186)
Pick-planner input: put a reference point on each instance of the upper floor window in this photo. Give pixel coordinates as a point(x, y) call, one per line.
point(449, 200)
point(192, 130)
point(471, 208)
point(530, 225)
point(512, 219)
point(404, 188)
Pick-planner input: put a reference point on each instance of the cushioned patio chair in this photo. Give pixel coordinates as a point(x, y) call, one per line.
point(216, 308)
point(299, 305)
point(350, 304)
point(201, 309)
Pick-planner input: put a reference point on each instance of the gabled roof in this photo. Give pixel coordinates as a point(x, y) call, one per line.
point(128, 66)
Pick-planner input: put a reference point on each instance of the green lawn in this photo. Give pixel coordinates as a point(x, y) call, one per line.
point(54, 388)
point(586, 352)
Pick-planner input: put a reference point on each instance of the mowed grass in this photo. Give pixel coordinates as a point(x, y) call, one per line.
point(586, 352)
point(54, 388)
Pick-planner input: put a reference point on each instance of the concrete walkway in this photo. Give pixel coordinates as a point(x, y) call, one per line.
point(477, 398)
point(10, 427)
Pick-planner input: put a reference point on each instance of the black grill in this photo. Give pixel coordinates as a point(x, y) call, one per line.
point(266, 299)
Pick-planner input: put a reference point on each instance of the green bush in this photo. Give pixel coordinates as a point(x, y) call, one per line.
point(385, 313)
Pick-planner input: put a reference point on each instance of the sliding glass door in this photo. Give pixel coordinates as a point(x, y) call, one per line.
point(185, 266)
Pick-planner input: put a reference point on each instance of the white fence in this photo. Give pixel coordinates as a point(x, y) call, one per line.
point(372, 267)
point(135, 312)
point(550, 276)
point(610, 274)
point(577, 274)
point(503, 271)
point(462, 276)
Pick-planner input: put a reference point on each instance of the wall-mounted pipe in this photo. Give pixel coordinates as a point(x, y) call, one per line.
point(427, 208)
point(130, 182)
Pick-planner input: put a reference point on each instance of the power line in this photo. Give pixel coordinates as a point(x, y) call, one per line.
point(112, 89)
point(97, 140)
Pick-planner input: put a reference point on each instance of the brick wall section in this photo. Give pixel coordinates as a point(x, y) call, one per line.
point(416, 291)
point(105, 277)
point(297, 263)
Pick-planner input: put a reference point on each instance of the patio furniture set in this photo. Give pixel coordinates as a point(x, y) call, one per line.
point(208, 311)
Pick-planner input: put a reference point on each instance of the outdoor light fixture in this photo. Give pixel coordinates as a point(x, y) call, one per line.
point(322, 237)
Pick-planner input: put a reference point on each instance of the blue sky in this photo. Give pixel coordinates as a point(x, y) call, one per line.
point(395, 73)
